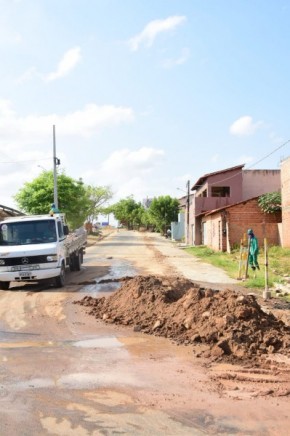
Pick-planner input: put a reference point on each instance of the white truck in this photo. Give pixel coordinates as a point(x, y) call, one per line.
point(39, 247)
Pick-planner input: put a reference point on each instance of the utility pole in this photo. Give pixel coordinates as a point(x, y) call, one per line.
point(187, 212)
point(56, 162)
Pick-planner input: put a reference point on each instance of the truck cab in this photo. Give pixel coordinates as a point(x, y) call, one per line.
point(32, 248)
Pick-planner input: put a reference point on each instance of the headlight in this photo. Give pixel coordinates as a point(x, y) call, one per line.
point(2, 262)
point(52, 258)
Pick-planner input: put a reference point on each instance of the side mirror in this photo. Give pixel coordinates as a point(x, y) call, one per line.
point(65, 230)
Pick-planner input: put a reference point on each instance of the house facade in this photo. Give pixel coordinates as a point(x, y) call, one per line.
point(186, 203)
point(285, 193)
point(224, 228)
point(224, 188)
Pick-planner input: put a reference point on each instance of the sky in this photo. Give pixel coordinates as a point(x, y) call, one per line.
point(144, 95)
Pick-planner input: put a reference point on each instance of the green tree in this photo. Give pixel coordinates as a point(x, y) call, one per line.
point(37, 196)
point(163, 210)
point(270, 202)
point(98, 196)
point(128, 212)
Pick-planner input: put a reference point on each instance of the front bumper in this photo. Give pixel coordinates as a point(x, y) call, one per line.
point(29, 275)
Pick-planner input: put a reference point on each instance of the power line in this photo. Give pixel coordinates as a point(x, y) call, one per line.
point(27, 160)
point(269, 154)
point(251, 166)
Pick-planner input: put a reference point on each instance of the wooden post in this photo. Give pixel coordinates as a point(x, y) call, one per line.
point(240, 261)
point(266, 293)
point(247, 259)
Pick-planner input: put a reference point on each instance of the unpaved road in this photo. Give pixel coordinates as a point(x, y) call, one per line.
point(65, 373)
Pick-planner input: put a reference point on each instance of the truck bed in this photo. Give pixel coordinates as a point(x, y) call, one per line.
point(75, 241)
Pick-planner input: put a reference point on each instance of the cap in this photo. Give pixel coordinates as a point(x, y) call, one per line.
point(250, 232)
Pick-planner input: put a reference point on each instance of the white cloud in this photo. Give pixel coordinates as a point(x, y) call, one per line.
point(128, 172)
point(25, 141)
point(29, 74)
point(125, 162)
point(6, 110)
point(68, 62)
point(13, 175)
point(84, 122)
point(184, 56)
point(244, 126)
point(9, 37)
point(153, 29)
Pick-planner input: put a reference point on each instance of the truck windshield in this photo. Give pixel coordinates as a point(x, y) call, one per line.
point(27, 232)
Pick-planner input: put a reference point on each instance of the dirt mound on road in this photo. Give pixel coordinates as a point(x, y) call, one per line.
point(230, 324)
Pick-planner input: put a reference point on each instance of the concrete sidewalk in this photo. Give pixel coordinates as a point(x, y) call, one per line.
point(188, 265)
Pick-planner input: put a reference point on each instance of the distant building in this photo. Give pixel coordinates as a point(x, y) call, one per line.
point(146, 202)
point(177, 228)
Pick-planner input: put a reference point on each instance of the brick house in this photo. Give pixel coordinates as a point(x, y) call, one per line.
point(227, 187)
point(224, 228)
point(285, 193)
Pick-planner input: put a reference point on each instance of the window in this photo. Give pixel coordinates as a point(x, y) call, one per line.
point(27, 232)
point(60, 230)
point(203, 193)
point(220, 191)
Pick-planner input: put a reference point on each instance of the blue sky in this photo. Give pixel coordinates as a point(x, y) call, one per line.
point(144, 95)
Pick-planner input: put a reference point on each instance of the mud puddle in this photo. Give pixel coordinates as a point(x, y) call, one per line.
point(107, 342)
point(109, 283)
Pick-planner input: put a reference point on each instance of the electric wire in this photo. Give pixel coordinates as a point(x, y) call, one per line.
point(26, 160)
point(251, 166)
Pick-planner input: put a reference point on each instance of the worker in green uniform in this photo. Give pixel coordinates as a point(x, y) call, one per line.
point(253, 250)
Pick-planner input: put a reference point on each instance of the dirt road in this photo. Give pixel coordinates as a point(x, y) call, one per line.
point(63, 372)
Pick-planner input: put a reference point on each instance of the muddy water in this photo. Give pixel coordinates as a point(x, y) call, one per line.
point(91, 385)
point(64, 373)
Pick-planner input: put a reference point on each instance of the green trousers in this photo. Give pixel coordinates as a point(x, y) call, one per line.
point(253, 260)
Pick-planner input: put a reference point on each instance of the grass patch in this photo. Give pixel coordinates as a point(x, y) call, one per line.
point(278, 264)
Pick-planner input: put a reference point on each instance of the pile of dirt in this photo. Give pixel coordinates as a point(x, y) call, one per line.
point(230, 324)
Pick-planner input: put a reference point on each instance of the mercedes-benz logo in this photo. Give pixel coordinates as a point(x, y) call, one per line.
point(25, 260)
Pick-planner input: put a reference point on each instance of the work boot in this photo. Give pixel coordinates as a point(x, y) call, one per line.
point(257, 266)
point(253, 268)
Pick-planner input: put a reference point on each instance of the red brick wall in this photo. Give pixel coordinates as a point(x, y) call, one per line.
point(285, 191)
point(248, 215)
point(239, 219)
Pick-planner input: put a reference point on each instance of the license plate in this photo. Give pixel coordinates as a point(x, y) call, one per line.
point(24, 268)
point(25, 274)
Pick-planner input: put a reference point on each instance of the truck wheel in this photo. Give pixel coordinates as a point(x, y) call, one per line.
point(4, 285)
point(78, 261)
point(60, 280)
point(72, 265)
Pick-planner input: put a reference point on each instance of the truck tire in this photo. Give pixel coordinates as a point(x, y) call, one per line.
point(60, 280)
point(78, 261)
point(72, 266)
point(4, 286)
